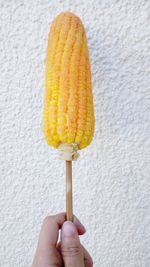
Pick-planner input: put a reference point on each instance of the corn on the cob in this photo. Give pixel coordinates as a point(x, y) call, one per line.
point(68, 103)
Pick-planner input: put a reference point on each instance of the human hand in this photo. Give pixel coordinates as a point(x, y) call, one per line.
point(68, 252)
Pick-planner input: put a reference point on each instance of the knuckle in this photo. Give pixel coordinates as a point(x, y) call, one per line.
point(70, 250)
point(48, 220)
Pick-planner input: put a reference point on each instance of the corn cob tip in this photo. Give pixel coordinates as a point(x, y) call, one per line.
point(69, 14)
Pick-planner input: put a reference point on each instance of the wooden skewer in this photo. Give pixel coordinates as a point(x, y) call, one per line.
point(69, 205)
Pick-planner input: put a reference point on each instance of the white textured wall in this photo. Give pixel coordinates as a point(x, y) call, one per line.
point(112, 176)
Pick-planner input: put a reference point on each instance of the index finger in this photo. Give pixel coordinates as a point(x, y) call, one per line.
point(46, 252)
point(50, 230)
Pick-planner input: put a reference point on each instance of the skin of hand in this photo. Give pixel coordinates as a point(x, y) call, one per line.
point(68, 252)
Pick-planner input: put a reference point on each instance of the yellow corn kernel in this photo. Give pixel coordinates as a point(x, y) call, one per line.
point(68, 103)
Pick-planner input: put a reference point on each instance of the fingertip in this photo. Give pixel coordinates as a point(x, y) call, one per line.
point(80, 227)
point(47, 221)
point(68, 229)
point(60, 218)
point(81, 231)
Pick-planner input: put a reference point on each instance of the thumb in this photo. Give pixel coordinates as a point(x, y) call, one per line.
point(71, 248)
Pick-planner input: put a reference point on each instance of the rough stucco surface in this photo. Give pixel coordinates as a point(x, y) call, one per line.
point(111, 177)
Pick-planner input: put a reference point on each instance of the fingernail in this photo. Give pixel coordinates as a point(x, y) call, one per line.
point(68, 229)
